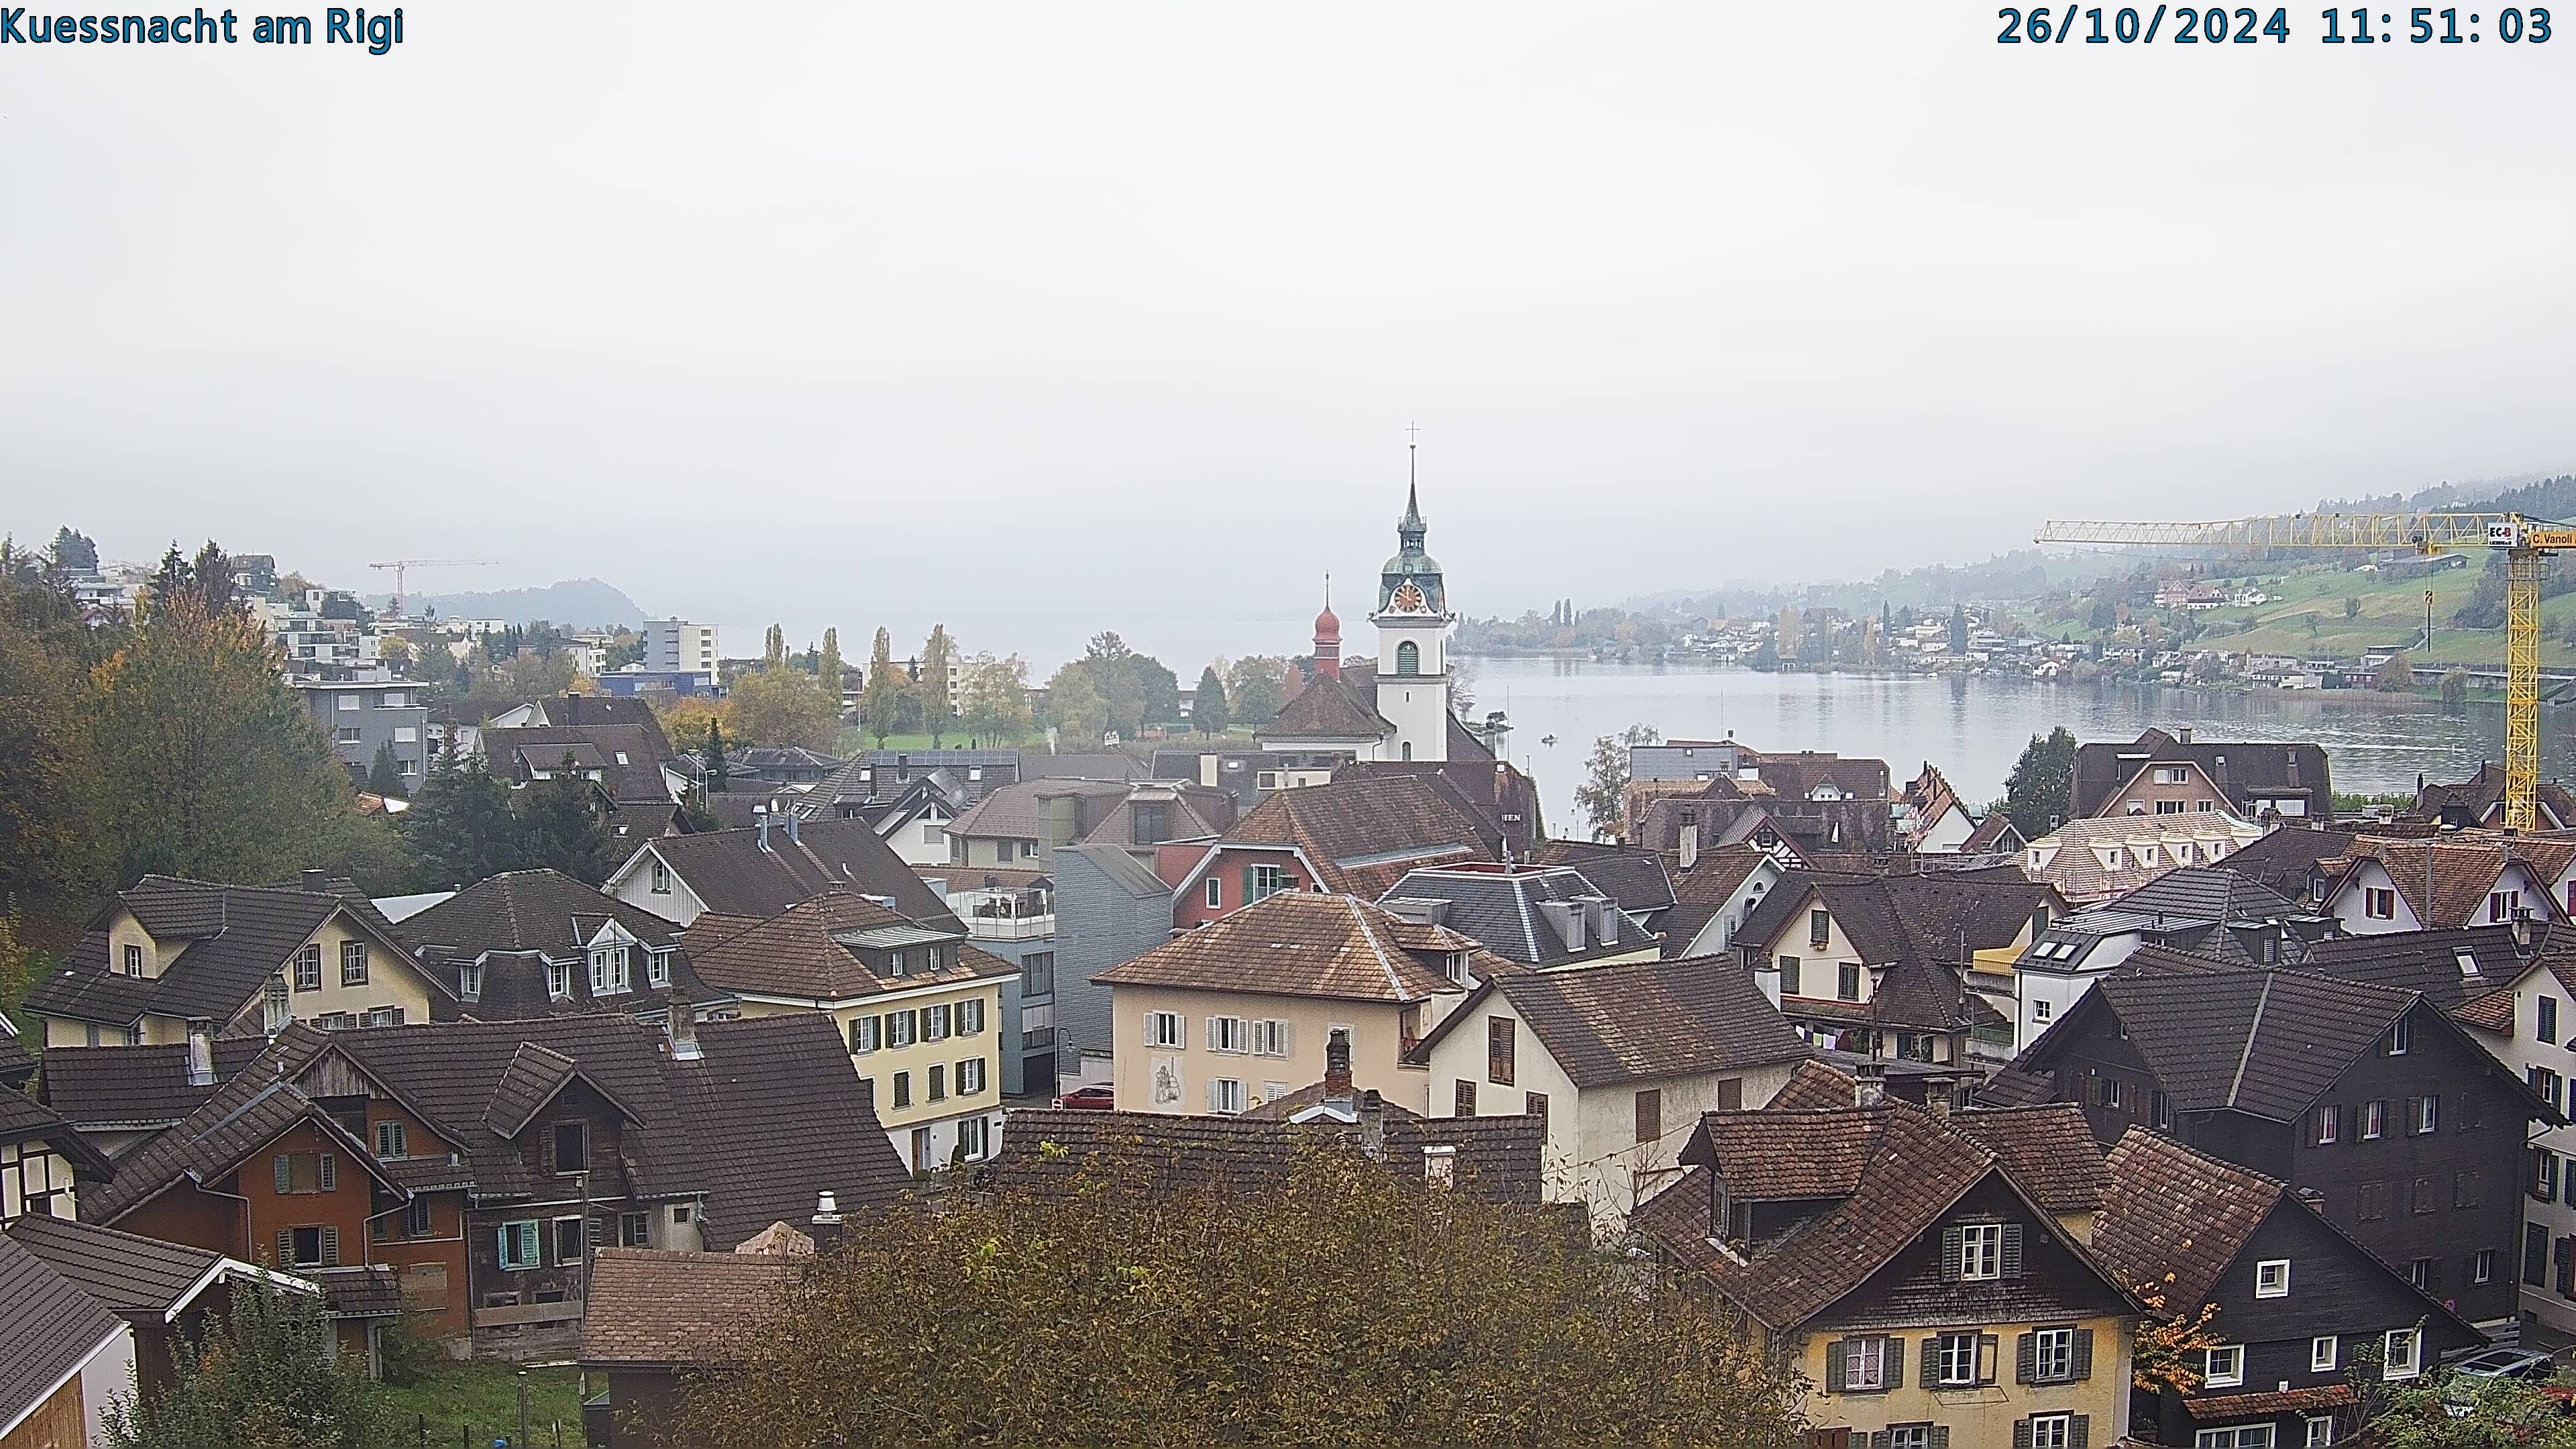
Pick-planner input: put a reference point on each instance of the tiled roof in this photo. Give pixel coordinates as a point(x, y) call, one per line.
point(1812, 1086)
point(635, 780)
point(2207, 893)
point(1327, 709)
point(730, 872)
point(1011, 812)
point(1639, 880)
point(662, 1308)
point(125, 1272)
point(1795, 776)
point(1301, 943)
point(126, 1087)
point(2267, 1405)
point(527, 1084)
point(2479, 800)
point(1994, 833)
point(2262, 1042)
point(529, 910)
point(1703, 890)
point(2460, 872)
point(2283, 859)
point(25, 1120)
point(1090, 765)
point(358, 1290)
point(1364, 832)
point(2169, 1209)
point(237, 938)
point(2491, 1012)
point(48, 1328)
point(1636, 1020)
point(2426, 961)
point(1944, 917)
point(2238, 768)
point(244, 1115)
point(801, 951)
point(1501, 907)
point(2047, 1149)
point(1048, 1151)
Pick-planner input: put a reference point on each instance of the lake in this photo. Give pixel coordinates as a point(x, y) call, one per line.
point(1972, 729)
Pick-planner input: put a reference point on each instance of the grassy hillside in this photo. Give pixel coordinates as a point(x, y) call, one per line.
point(2306, 619)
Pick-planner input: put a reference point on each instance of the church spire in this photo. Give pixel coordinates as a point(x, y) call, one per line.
point(1410, 529)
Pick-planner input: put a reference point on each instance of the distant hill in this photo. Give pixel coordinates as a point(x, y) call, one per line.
point(2021, 574)
point(573, 603)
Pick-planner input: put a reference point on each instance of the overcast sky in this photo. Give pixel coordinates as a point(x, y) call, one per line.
point(1041, 319)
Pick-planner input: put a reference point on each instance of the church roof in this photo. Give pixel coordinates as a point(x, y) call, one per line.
point(1327, 709)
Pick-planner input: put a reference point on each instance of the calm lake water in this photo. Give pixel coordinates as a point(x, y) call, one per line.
point(1971, 728)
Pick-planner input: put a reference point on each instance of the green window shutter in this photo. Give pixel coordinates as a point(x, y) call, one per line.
point(2012, 1250)
point(1246, 897)
point(2021, 1434)
point(1953, 1248)
point(285, 1246)
point(284, 1166)
point(330, 1247)
point(1932, 1361)
point(2084, 1353)
point(1879, 1440)
point(1987, 1344)
point(1836, 1354)
point(2026, 1358)
point(1940, 1436)
point(1896, 1363)
point(2080, 1432)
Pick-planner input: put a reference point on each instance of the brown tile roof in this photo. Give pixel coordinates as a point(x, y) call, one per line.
point(244, 1115)
point(2428, 961)
point(2462, 871)
point(1302, 943)
point(1047, 1151)
point(1635, 1020)
point(2283, 859)
point(1641, 881)
point(730, 872)
point(358, 1291)
point(1011, 812)
point(1327, 709)
point(2265, 1405)
point(2491, 1012)
point(1795, 776)
point(1363, 833)
point(100, 1088)
point(650, 1308)
point(128, 1273)
point(49, 1329)
point(1700, 892)
point(636, 780)
point(2102, 770)
point(2168, 1209)
point(2263, 1042)
point(1812, 1086)
point(807, 950)
point(529, 910)
point(1994, 833)
point(2047, 1149)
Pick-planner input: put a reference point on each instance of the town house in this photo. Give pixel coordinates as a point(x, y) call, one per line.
point(538, 942)
point(762, 870)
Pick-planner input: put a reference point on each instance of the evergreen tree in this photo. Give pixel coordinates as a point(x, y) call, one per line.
point(1958, 628)
point(2039, 794)
point(881, 696)
point(559, 826)
point(384, 774)
point(1161, 689)
point(938, 701)
point(214, 578)
point(1207, 706)
point(170, 580)
point(713, 757)
point(73, 552)
point(461, 829)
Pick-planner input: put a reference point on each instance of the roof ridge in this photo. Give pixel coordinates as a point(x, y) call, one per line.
point(1392, 983)
point(2253, 1028)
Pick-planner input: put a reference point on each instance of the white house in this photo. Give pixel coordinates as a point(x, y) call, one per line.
point(2414, 885)
point(2530, 1026)
point(1618, 1060)
point(1714, 894)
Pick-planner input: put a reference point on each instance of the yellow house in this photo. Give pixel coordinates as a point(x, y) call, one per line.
point(1238, 1012)
point(233, 960)
point(919, 1009)
point(1916, 1269)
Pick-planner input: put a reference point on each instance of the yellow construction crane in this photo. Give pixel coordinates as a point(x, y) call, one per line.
point(2527, 545)
point(399, 565)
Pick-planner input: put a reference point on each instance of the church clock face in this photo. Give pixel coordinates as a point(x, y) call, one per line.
point(1408, 598)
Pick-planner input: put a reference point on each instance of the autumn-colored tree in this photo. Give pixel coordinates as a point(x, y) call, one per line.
point(1349, 1306)
point(938, 702)
point(782, 707)
point(2172, 1344)
point(1075, 707)
point(2395, 674)
point(996, 699)
point(1603, 795)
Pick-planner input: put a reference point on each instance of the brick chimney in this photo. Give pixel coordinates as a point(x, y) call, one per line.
point(1337, 1067)
point(683, 1027)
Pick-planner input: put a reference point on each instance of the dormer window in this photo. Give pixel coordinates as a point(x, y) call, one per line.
point(608, 971)
point(469, 982)
point(559, 980)
point(133, 959)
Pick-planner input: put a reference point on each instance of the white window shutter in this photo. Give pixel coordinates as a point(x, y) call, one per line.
point(1211, 1095)
point(1211, 1032)
point(1287, 1038)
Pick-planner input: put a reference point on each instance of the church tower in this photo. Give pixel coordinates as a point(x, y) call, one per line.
point(1413, 621)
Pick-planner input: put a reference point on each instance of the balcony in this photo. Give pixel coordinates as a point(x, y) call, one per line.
point(1010, 928)
point(520, 1315)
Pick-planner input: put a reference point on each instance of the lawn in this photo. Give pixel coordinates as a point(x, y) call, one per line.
point(2305, 619)
point(475, 1403)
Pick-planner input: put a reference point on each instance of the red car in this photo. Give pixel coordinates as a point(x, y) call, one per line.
point(1090, 1099)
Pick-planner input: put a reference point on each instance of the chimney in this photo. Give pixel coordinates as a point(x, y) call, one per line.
point(201, 1054)
point(1869, 1085)
point(1567, 918)
point(1937, 1100)
point(683, 1027)
point(1337, 1067)
point(1605, 917)
point(763, 812)
point(1690, 846)
point(2182, 734)
point(315, 880)
point(2521, 931)
point(1372, 1118)
point(825, 1226)
point(792, 823)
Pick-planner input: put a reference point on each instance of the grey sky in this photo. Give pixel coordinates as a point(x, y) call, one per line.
point(1040, 319)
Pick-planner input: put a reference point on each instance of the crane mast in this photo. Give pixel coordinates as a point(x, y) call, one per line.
point(2527, 545)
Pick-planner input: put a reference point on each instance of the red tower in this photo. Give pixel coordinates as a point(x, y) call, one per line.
point(1328, 637)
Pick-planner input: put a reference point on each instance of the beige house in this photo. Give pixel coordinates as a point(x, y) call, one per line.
point(2097, 859)
point(1238, 1012)
point(234, 960)
point(919, 1009)
point(1618, 1061)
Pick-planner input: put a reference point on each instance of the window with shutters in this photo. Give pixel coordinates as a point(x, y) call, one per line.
point(901, 1026)
point(1847, 981)
point(1463, 1098)
point(1911, 1436)
point(1499, 1047)
point(934, 1022)
point(903, 1089)
point(572, 1147)
point(939, 1084)
point(275, 1012)
point(1270, 1038)
point(1261, 882)
point(2379, 903)
point(353, 963)
point(970, 1016)
point(2056, 1431)
point(1162, 1029)
point(2329, 1124)
point(2272, 1278)
point(1864, 1365)
point(416, 1221)
point(970, 1076)
point(304, 1172)
point(519, 1245)
point(2428, 1115)
point(308, 967)
point(1535, 1104)
point(308, 1247)
point(2053, 1357)
point(634, 1230)
point(2374, 1119)
point(1820, 929)
point(1226, 1095)
point(2223, 1367)
point(1953, 1359)
point(1981, 1252)
point(1229, 1034)
point(1650, 1114)
point(2320, 1431)
point(390, 1139)
point(2546, 1008)
point(2544, 1082)
point(865, 1034)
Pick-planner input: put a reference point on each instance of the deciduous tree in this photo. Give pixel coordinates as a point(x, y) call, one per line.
point(827, 669)
point(996, 699)
point(881, 697)
point(265, 1375)
point(782, 707)
point(938, 703)
point(1603, 795)
point(1075, 707)
point(2395, 674)
point(1256, 686)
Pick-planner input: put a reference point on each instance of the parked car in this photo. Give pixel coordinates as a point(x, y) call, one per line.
point(2473, 1373)
point(1090, 1099)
